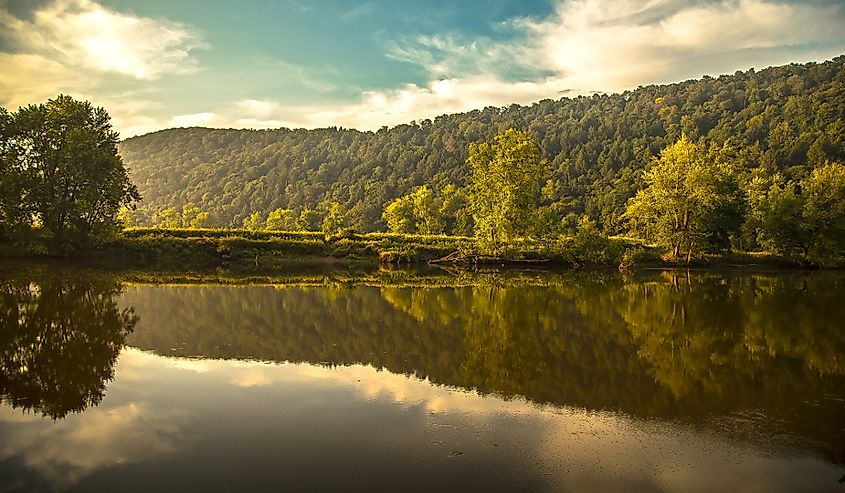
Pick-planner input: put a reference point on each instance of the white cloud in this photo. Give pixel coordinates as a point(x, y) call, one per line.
point(74, 447)
point(82, 33)
point(583, 47)
point(198, 120)
point(612, 45)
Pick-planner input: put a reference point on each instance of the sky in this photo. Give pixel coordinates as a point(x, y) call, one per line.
point(156, 64)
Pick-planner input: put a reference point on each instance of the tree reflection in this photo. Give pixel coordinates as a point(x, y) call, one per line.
point(667, 346)
point(59, 342)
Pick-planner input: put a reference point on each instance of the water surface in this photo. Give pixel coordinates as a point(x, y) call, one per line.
point(544, 382)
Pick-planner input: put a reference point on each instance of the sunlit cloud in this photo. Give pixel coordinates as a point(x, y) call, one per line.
point(612, 45)
point(72, 448)
point(82, 33)
point(584, 47)
point(207, 118)
point(80, 47)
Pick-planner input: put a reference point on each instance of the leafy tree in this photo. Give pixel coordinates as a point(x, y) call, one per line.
point(824, 211)
point(690, 202)
point(64, 166)
point(454, 211)
point(335, 219)
point(193, 217)
point(167, 218)
point(280, 220)
point(426, 212)
point(308, 220)
point(190, 216)
point(15, 206)
point(254, 221)
point(399, 215)
point(505, 186)
point(781, 226)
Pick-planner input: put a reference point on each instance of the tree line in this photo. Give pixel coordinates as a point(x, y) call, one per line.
point(783, 121)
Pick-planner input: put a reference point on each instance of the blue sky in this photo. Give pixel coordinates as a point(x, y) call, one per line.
point(161, 63)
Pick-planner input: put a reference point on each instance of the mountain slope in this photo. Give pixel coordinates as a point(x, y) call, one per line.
point(784, 119)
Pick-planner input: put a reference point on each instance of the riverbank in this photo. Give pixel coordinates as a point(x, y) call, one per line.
point(250, 252)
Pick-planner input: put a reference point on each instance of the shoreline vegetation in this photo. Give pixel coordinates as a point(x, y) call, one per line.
point(248, 252)
point(689, 199)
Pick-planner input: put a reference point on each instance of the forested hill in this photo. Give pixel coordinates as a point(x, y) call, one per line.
point(784, 119)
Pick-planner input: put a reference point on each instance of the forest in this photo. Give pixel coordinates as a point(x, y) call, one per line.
point(774, 126)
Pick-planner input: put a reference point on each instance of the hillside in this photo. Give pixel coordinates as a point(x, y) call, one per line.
point(783, 119)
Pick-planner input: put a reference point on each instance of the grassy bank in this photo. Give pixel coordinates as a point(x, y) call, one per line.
point(247, 251)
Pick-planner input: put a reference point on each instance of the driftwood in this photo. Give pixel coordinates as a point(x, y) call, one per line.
point(460, 258)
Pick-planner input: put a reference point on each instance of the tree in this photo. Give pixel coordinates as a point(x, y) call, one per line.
point(781, 226)
point(454, 212)
point(280, 220)
point(399, 215)
point(308, 220)
point(254, 221)
point(62, 161)
point(193, 217)
point(335, 219)
point(426, 212)
point(504, 186)
point(824, 211)
point(690, 201)
point(15, 205)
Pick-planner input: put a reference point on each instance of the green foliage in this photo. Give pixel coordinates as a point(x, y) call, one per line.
point(824, 212)
point(308, 220)
point(781, 228)
point(785, 120)
point(690, 202)
point(505, 186)
point(425, 212)
point(335, 219)
point(399, 215)
point(804, 221)
point(280, 220)
point(189, 217)
point(254, 222)
point(61, 171)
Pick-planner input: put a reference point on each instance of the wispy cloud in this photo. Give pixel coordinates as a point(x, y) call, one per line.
point(587, 46)
point(612, 45)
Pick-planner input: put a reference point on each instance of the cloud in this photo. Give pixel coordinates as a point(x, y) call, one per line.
point(206, 119)
point(585, 46)
point(414, 102)
point(612, 45)
point(82, 33)
point(73, 448)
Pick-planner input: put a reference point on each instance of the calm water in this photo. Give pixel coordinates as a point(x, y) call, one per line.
point(542, 382)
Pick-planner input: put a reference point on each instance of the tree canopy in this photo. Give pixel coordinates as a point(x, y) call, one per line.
point(61, 171)
point(504, 186)
point(690, 201)
point(786, 120)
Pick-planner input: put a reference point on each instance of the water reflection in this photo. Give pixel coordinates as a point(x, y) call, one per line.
point(59, 339)
point(763, 351)
point(199, 425)
point(564, 382)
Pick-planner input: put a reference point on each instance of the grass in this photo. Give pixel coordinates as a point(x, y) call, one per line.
point(258, 252)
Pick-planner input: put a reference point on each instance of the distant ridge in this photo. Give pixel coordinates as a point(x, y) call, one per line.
point(784, 119)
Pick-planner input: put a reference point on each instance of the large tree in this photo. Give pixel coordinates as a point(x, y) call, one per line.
point(65, 170)
point(505, 183)
point(691, 201)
